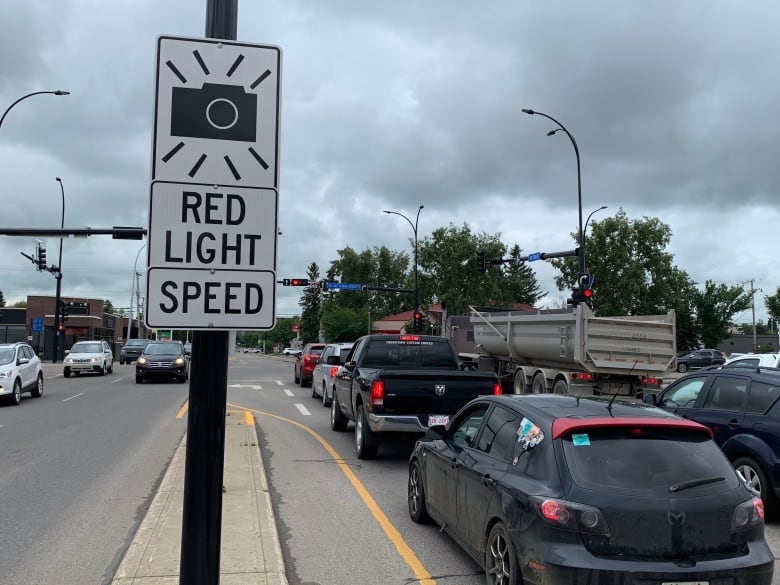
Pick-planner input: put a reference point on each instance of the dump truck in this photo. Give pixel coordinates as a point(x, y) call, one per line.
point(569, 351)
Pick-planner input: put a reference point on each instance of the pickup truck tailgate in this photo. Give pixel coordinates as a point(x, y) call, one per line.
point(431, 391)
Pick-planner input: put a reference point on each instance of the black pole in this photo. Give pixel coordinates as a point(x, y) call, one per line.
point(24, 97)
point(581, 255)
point(205, 456)
point(414, 229)
point(58, 293)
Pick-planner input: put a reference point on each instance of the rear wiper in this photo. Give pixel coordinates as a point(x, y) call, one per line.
point(693, 483)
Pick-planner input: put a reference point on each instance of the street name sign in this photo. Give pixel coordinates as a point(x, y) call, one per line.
point(213, 207)
point(533, 256)
point(344, 286)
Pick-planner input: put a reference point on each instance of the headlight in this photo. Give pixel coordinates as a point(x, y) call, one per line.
point(140, 361)
point(68, 360)
point(94, 360)
point(179, 361)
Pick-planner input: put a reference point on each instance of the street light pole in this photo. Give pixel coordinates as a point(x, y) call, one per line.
point(581, 254)
point(414, 229)
point(58, 277)
point(24, 97)
point(585, 229)
point(132, 290)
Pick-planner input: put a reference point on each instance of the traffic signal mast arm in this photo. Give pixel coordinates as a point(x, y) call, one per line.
point(535, 256)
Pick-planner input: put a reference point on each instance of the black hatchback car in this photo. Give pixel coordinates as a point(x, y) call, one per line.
point(741, 407)
point(162, 360)
point(560, 489)
point(701, 358)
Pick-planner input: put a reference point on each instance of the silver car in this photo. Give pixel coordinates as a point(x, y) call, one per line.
point(332, 358)
point(88, 357)
point(20, 371)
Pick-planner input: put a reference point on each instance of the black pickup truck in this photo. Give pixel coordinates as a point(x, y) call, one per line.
point(401, 384)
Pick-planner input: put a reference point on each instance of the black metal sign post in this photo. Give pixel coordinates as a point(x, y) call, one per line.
point(205, 457)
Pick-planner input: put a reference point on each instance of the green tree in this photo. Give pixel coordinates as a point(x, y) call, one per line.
point(20, 304)
point(108, 307)
point(771, 302)
point(448, 271)
point(715, 306)
point(310, 305)
point(2, 299)
point(341, 324)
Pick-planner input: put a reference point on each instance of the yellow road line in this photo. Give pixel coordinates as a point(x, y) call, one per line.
point(183, 409)
point(420, 573)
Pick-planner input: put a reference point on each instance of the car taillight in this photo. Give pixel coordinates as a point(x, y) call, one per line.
point(497, 389)
point(307, 358)
point(748, 514)
point(571, 515)
point(378, 393)
point(581, 376)
point(333, 371)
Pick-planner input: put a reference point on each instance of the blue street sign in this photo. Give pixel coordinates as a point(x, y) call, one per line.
point(534, 256)
point(343, 286)
point(37, 324)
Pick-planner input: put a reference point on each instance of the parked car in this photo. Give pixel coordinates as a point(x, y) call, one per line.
point(741, 407)
point(162, 360)
point(331, 359)
point(88, 357)
point(551, 488)
point(20, 371)
point(751, 360)
point(305, 362)
point(251, 350)
point(700, 359)
point(131, 350)
point(293, 351)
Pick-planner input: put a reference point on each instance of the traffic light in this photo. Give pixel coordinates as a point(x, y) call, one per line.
point(299, 282)
point(575, 298)
point(40, 259)
point(64, 311)
point(584, 282)
point(418, 322)
point(481, 262)
point(587, 296)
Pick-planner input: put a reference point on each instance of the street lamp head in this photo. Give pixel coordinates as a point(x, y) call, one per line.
point(61, 92)
point(58, 179)
point(551, 132)
point(528, 111)
point(386, 211)
point(422, 206)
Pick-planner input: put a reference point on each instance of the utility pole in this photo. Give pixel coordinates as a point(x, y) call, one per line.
point(753, 292)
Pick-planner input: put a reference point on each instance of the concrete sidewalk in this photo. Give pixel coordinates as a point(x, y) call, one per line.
point(251, 553)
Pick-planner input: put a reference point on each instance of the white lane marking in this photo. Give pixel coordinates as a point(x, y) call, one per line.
point(289, 393)
point(280, 383)
point(303, 409)
point(253, 386)
point(72, 397)
point(117, 380)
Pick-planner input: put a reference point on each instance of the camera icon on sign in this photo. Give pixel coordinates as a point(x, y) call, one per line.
point(215, 111)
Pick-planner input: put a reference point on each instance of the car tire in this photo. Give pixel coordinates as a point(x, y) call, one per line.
point(182, 379)
point(111, 368)
point(501, 566)
point(296, 379)
point(16, 392)
point(325, 401)
point(66, 372)
point(365, 445)
point(418, 510)
point(102, 370)
point(37, 390)
point(314, 390)
point(139, 379)
point(753, 475)
point(338, 422)
point(682, 368)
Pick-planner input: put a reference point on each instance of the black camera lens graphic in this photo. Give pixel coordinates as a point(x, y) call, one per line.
point(215, 111)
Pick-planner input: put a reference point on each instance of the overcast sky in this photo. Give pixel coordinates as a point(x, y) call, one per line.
point(392, 105)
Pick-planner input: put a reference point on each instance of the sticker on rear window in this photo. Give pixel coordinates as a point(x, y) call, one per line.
point(528, 434)
point(580, 439)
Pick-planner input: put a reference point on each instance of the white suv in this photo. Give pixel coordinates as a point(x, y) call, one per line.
point(89, 356)
point(20, 371)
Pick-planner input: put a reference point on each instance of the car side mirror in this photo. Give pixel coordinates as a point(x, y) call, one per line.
point(650, 399)
point(435, 432)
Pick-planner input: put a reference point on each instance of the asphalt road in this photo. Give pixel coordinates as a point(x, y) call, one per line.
point(80, 464)
point(78, 467)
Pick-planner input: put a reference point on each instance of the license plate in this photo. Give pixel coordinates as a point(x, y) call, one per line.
point(685, 583)
point(438, 419)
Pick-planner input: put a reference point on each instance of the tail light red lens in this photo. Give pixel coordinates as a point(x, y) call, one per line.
point(497, 389)
point(747, 515)
point(307, 359)
point(581, 376)
point(378, 393)
point(571, 515)
point(333, 371)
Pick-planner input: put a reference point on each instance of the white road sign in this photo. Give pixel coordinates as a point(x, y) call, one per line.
point(209, 299)
point(216, 112)
point(205, 226)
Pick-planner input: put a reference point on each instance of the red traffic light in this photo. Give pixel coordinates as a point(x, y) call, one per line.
point(587, 293)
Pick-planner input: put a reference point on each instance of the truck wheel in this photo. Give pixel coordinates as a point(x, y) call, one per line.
point(338, 422)
point(539, 385)
point(365, 448)
point(418, 511)
point(560, 387)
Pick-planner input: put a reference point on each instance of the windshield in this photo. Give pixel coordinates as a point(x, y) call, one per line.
point(641, 460)
point(6, 356)
point(87, 348)
point(162, 348)
point(134, 342)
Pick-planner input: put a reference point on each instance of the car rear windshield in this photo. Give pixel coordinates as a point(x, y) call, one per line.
point(641, 460)
point(410, 353)
point(134, 342)
point(87, 348)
